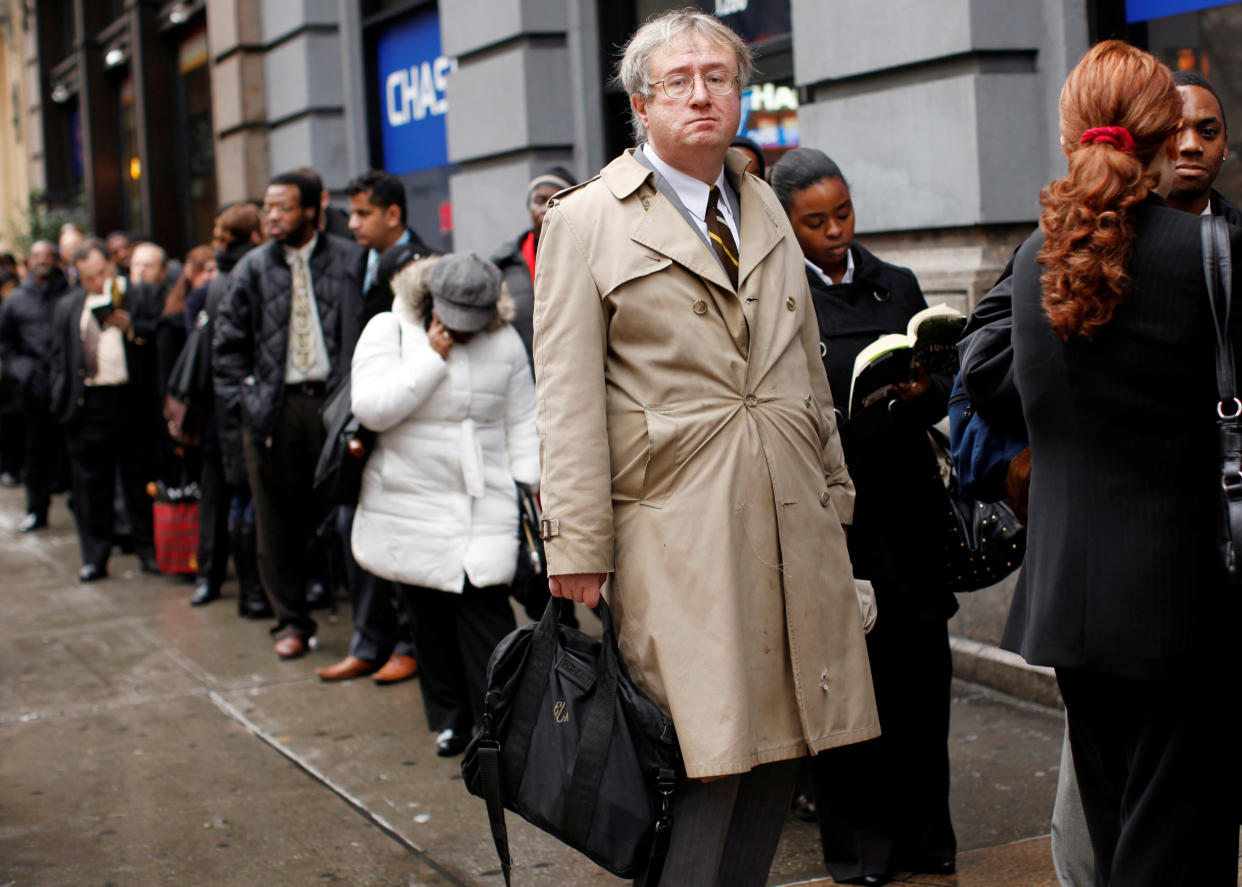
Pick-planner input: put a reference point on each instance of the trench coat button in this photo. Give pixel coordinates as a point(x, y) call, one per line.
point(646, 203)
point(809, 402)
point(791, 303)
point(751, 400)
point(823, 680)
point(824, 498)
point(700, 307)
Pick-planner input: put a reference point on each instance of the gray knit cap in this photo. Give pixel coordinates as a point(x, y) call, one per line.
point(464, 290)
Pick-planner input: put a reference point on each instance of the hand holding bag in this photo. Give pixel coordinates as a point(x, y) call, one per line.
point(1218, 274)
point(574, 748)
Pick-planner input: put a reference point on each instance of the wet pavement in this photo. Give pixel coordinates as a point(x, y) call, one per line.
point(146, 742)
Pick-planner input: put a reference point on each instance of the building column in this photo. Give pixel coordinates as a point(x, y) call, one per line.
point(239, 102)
point(513, 107)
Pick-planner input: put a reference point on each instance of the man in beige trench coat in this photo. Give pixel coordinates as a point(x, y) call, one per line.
point(690, 452)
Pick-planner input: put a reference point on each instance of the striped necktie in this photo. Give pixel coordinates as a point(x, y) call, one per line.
point(721, 236)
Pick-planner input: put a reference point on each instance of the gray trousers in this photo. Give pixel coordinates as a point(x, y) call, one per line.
point(1072, 856)
point(725, 832)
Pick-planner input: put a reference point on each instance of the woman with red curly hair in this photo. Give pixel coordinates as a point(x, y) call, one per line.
point(1122, 591)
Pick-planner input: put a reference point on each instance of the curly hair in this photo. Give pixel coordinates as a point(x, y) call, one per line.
point(1088, 216)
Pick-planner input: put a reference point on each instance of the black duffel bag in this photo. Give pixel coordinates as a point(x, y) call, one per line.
point(573, 747)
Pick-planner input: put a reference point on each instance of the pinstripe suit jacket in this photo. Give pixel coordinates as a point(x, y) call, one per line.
point(1121, 573)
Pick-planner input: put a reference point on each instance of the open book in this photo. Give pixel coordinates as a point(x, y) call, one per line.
point(930, 341)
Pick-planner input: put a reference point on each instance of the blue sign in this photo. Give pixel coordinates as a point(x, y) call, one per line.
point(412, 76)
point(1142, 10)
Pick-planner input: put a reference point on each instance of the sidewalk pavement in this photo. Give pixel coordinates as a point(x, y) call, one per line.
point(147, 742)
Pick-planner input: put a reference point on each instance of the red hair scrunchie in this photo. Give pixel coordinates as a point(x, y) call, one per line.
point(1117, 136)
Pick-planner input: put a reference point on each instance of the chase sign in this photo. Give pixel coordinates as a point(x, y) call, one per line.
point(411, 79)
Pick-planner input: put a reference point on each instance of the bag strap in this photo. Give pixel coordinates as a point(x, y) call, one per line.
point(493, 794)
point(596, 737)
point(529, 696)
point(1218, 273)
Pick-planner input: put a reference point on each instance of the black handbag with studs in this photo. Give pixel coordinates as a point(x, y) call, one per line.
point(983, 541)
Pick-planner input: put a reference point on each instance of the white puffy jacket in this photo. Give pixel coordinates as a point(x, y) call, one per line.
point(438, 502)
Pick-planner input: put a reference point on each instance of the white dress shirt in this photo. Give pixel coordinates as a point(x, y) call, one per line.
point(113, 368)
point(693, 193)
point(847, 277)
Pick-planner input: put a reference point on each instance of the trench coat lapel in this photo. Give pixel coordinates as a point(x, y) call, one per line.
point(760, 231)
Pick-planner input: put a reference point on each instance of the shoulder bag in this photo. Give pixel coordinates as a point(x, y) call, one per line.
point(572, 746)
point(1218, 274)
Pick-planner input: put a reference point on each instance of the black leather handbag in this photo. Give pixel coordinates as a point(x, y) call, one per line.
point(573, 747)
point(983, 541)
point(338, 474)
point(1218, 274)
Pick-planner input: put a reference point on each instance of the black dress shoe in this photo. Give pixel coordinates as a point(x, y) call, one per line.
point(204, 593)
point(92, 573)
point(31, 522)
point(254, 607)
point(450, 743)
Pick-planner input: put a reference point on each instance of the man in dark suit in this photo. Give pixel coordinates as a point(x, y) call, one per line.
point(25, 332)
point(285, 334)
point(101, 392)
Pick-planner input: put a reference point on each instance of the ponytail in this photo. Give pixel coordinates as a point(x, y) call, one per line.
point(1119, 108)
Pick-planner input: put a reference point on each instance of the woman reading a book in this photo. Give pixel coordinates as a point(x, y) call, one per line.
point(883, 805)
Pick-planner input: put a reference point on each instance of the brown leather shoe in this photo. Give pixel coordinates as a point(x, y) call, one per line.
point(347, 668)
point(290, 647)
point(398, 668)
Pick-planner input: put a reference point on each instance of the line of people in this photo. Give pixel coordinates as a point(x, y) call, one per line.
point(627, 354)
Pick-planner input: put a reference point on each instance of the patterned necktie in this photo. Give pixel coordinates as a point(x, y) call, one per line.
point(301, 333)
point(721, 236)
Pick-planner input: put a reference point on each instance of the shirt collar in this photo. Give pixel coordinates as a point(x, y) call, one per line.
point(304, 250)
point(848, 277)
point(690, 191)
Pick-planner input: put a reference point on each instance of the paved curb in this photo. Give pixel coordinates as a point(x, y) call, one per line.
point(1001, 670)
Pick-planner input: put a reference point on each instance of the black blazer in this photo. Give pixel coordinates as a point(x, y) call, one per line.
point(1121, 574)
point(67, 368)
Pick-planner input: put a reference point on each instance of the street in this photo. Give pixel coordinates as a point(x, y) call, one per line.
point(146, 742)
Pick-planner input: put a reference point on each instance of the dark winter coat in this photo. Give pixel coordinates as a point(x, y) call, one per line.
point(900, 503)
point(512, 264)
point(26, 337)
point(252, 326)
point(227, 421)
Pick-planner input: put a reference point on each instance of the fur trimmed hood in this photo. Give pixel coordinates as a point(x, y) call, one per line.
point(411, 294)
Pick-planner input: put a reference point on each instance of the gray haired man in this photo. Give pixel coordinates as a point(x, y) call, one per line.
point(690, 455)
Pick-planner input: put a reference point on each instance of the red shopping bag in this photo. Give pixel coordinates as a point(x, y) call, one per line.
point(176, 536)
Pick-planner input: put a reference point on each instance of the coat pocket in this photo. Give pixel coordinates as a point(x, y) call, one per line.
point(662, 456)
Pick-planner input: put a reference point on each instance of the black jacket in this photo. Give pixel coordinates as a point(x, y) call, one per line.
point(251, 338)
point(66, 362)
point(512, 264)
point(26, 336)
point(1121, 573)
point(227, 420)
point(900, 505)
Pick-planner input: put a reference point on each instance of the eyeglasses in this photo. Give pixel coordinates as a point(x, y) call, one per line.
point(679, 86)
